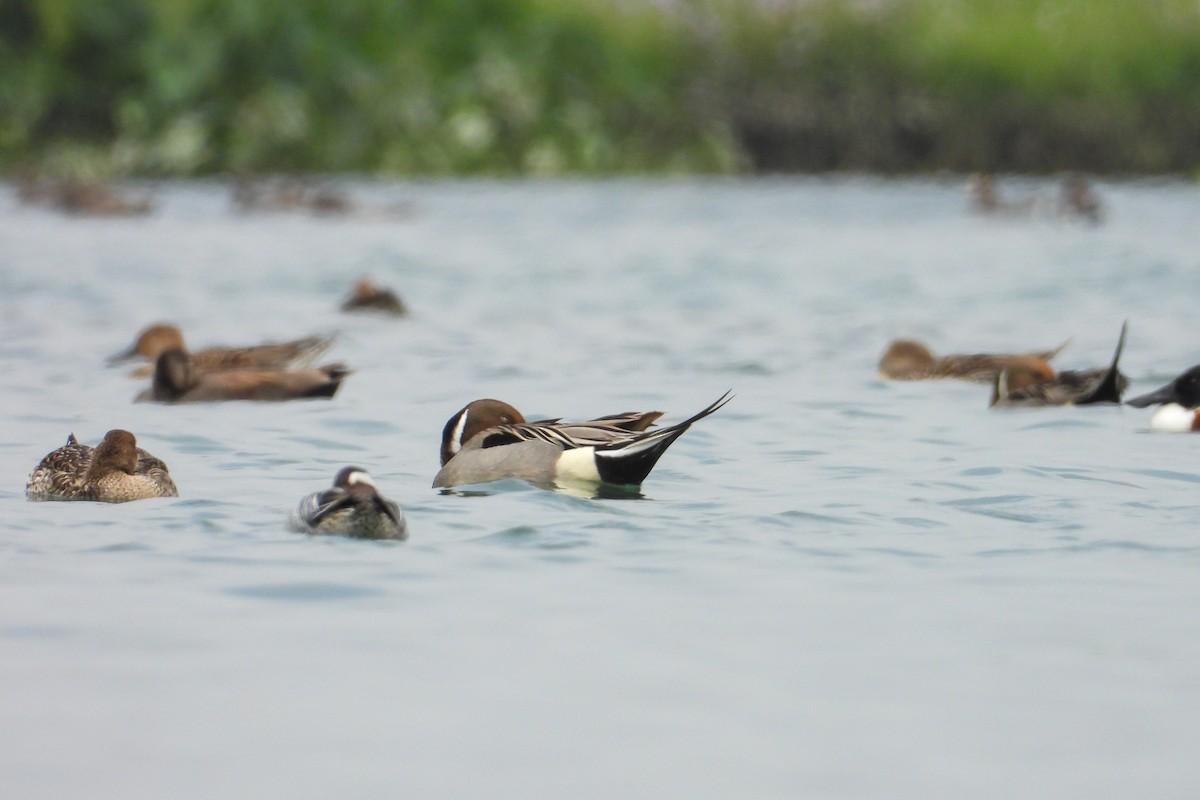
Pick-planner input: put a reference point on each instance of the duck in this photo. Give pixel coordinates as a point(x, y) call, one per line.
point(114, 471)
point(1076, 200)
point(80, 197)
point(489, 440)
point(252, 193)
point(1079, 199)
point(1178, 403)
point(369, 296)
point(1030, 385)
point(156, 339)
point(910, 360)
point(352, 507)
point(177, 381)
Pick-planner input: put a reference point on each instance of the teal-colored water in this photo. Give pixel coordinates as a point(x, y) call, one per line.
point(834, 587)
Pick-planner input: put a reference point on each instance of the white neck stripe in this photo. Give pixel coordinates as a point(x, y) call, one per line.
point(456, 435)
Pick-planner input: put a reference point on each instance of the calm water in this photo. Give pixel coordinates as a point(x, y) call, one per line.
point(834, 587)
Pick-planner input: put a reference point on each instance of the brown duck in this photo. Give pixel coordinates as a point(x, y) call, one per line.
point(156, 339)
point(177, 381)
point(369, 296)
point(909, 360)
point(114, 471)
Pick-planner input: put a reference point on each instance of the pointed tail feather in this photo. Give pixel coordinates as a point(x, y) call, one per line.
point(1112, 385)
point(629, 461)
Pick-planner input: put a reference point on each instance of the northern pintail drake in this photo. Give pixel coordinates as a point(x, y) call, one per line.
point(369, 296)
point(352, 507)
point(1178, 403)
point(910, 360)
point(156, 339)
point(177, 381)
point(1032, 385)
point(489, 440)
point(114, 471)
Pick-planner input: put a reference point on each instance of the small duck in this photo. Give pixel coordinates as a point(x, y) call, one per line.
point(1030, 384)
point(80, 197)
point(177, 381)
point(114, 471)
point(489, 440)
point(368, 296)
point(1178, 403)
point(352, 507)
point(156, 339)
point(910, 360)
point(1079, 199)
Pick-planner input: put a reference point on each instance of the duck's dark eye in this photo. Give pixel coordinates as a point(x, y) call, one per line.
point(505, 418)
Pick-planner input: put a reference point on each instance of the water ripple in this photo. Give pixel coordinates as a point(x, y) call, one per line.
point(304, 591)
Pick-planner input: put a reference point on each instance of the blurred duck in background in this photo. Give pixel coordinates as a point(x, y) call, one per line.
point(910, 360)
point(176, 381)
point(1028, 385)
point(1076, 200)
point(81, 197)
point(160, 337)
point(369, 296)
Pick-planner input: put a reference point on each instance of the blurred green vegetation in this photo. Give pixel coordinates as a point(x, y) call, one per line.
point(428, 87)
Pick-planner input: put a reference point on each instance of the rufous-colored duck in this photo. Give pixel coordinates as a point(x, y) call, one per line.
point(910, 360)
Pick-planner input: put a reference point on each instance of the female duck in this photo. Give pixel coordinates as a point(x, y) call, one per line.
point(176, 380)
point(114, 471)
point(910, 360)
point(352, 507)
point(157, 339)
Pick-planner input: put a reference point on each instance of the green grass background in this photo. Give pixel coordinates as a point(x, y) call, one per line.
point(502, 87)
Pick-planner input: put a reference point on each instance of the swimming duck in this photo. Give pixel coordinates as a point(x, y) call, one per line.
point(489, 440)
point(177, 381)
point(352, 507)
point(1030, 384)
point(1178, 403)
point(288, 193)
point(1076, 198)
point(910, 360)
point(80, 197)
point(156, 339)
point(116, 470)
point(368, 296)
point(1079, 199)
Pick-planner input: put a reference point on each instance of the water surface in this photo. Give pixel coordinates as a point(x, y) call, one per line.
point(834, 587)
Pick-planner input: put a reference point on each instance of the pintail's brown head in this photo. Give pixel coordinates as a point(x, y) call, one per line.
point(476, 416)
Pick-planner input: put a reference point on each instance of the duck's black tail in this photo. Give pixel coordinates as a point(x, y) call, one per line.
point(1110, 387)
point(627, 462)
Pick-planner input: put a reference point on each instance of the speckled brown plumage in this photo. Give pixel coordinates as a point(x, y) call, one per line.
point(115, 471)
